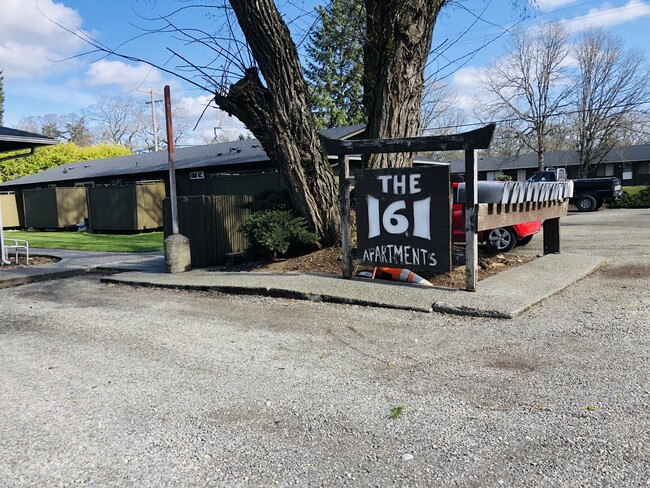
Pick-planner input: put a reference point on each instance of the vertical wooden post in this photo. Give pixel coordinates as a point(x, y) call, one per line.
point(552, 236)
point(3, 260)
point(346, 232)
point(171, 160)
point(471, 236)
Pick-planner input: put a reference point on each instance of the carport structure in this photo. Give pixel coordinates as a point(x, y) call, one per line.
point(18, 140)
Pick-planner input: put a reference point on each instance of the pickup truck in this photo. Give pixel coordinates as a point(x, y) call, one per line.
point(589, 194)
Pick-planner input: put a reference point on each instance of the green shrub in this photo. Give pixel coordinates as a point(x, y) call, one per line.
point(504, 178)
point(273, 233)
point(636, 199)
point(269, 200)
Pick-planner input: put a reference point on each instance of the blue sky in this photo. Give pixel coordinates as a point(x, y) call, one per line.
point(44, 74)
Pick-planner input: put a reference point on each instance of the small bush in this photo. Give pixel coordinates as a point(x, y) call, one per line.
point(273, 233)
point(269, 200)
point(638, 199)
point(504, 178)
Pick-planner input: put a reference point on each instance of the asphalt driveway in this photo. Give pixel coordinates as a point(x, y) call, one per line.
point(112, 385)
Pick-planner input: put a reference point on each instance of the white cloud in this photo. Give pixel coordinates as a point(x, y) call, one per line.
point(213, 123)
point(30, 40)
point(105, 72)
point(195, 106)
point(608, 16)
point(466, 84)
point(468, 79)
point(547, 5)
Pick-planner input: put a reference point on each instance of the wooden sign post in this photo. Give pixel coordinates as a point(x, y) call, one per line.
point(471, 221)
point(467, 141)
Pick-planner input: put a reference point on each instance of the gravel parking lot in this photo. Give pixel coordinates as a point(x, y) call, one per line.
point(117, 386)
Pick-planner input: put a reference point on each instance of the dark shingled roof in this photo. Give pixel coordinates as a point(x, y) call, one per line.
point(196, 157)
point(214, 155)
point(553, 159)
point(14, 139)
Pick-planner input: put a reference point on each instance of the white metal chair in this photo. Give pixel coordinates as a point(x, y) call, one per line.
point(18, 245)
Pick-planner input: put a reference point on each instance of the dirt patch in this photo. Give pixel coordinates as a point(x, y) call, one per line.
point(328, 261)
point(627, 271)
point(33, 261)
point(506, 362)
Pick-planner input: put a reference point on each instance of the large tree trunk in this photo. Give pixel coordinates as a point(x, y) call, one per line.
point(278, 114)
point(396, 51)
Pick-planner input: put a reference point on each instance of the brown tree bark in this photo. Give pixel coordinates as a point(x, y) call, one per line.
point(278, 114)
point(395, 54)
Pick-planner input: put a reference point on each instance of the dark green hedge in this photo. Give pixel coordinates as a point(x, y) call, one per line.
point(640, 199)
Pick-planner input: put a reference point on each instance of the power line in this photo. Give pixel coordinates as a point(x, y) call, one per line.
point(514, 119)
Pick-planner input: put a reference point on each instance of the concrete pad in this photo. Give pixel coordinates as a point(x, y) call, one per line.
point(509, 293)
point(74, 263)
point(504, 295)
point(294, 285)
point(28, 275)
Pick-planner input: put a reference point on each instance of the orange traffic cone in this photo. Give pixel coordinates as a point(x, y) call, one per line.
point(400, 274)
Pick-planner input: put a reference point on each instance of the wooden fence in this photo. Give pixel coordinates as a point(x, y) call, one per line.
point(211, 223)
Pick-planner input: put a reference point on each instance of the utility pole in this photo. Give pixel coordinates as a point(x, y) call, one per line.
point(178, 257)
point(153, 115)
point(171, 159)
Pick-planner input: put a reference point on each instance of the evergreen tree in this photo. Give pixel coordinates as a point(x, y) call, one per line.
point(2, 97)
point(335, 69)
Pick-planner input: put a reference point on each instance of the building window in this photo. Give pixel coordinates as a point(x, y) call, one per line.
point(605, 170)
point(492, 175)
point(197, 175)
point(643, 168)
point(521, 175)
point(627, 172)
point(84, 184)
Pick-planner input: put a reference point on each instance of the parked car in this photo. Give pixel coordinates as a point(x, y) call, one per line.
point(501, 239)
point(589, 194)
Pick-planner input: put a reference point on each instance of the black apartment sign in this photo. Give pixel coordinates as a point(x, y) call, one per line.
point(404, 218)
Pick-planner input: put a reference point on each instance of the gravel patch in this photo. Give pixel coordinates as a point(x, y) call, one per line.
point(112, 385)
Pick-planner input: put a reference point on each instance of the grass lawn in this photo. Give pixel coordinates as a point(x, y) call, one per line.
point(152, 241)
point(633, 190)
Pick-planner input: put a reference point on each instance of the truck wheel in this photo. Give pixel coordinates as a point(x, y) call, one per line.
point(501, 239)
point(586, 203)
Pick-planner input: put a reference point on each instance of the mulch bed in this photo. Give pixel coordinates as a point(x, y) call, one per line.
point(328, 261)
point(33, 261)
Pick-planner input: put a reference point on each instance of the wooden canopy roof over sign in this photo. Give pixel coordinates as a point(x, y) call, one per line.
point(475, 139)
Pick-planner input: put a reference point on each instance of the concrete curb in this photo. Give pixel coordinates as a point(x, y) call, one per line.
point(505, 295)
point(33, 278)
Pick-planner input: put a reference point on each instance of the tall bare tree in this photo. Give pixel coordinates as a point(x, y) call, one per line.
point(530, 86)
point(70, 128)
point(278, 113)
point(270, 95)
point(398, 43)
point(438, 111)
point(119, 120)
point(613, 87)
